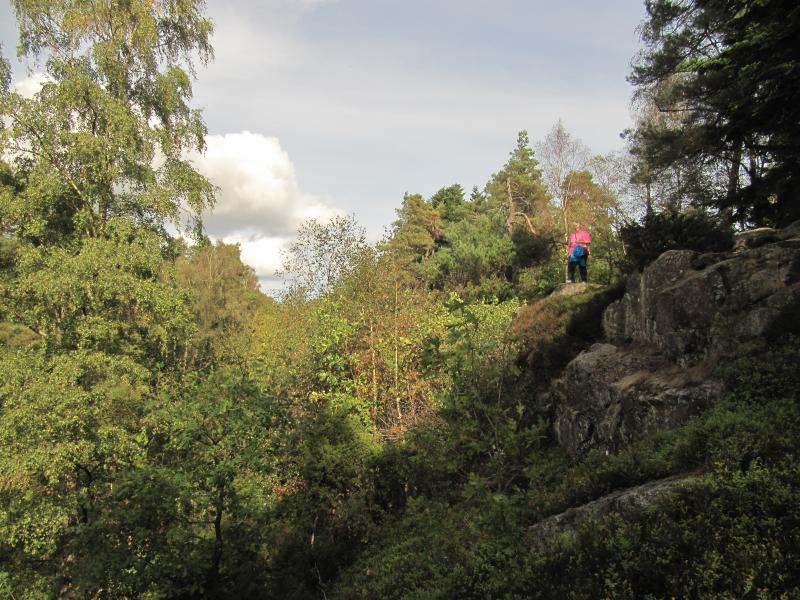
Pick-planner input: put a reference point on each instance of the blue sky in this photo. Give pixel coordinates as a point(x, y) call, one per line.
point(318, 107)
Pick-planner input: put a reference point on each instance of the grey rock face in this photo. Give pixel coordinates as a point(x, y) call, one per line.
point(754, 238)
point(676, 320)
point(609, 396)
point(543, 532)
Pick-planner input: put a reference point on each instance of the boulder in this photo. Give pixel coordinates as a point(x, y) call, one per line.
point(574, 289)
point(754, 238)
point(609, 396)
point(687, 305)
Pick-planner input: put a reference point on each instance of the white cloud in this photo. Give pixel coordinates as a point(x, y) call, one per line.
point(258, 190)
point(260, 252)
point(259, 202)
point(31, 85)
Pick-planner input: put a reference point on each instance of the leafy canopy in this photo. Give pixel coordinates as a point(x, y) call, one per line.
point(728, 71)
point(105, 135)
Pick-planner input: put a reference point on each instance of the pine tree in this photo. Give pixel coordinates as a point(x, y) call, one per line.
point(729, 72)
point(519, 191)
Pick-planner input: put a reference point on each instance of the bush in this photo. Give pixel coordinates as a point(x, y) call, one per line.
point(530, 249)
point(541, 279)
point(688, 230)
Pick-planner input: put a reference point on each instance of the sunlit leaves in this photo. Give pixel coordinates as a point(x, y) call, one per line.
point(107, 297)
point(116, 104)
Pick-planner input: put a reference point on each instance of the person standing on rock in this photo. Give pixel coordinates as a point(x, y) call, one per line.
point(578, 252)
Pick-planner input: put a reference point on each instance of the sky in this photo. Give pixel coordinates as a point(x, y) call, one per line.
point(323, 107)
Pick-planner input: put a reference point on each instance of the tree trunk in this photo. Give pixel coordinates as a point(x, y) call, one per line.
point(373, 359)
point(726, 213)
point(396, 348)
point(511, 207)
point(566, 239)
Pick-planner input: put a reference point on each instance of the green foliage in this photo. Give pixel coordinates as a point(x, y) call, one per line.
point(725, 72)
point(731, 531)
point(427, 530)
point(108, 297)
point(488, 429)
point(518, 187)
point(474, 249)
point(168, 432)
point(417, 232)
point(212, 439)
point(608, 258)
point(534, 283)
point(478, 352)
point(659, 232)
point(450, 202)
point(224, 298)
point(68, 429)
point(501, 242)
point(324, 510)
point(85, 144)
point(118, 457)
point(763, 371)
point(729, 536)
point(5, 72)
point(529, 248)
point(124, 473)
point(330, 359)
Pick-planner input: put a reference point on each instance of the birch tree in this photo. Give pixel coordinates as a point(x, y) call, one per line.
point(559, 155)
point(321, 254)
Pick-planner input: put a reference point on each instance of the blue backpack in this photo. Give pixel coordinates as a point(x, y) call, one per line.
point(578, 254)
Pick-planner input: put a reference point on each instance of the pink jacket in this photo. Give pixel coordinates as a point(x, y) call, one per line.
point(581, 237)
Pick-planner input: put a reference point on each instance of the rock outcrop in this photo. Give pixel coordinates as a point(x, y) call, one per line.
point(641, 496)
point(677, 319)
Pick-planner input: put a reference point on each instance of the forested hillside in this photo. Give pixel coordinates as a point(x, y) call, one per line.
point(387, 427)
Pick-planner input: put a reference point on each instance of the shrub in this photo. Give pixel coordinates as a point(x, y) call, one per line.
point(688, 230)
point(530, 249)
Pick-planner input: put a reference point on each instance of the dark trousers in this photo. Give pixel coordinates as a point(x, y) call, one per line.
point(571, 271)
